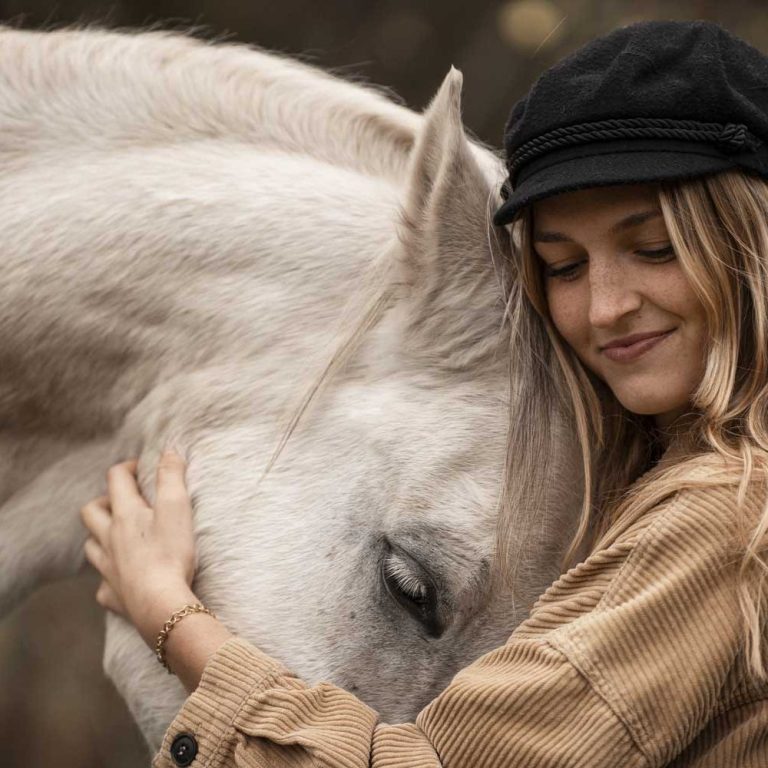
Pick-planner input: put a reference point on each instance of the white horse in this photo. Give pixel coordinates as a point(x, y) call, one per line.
point(190, 232)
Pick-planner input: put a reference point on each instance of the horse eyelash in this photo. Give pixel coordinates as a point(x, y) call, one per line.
point(397, 569)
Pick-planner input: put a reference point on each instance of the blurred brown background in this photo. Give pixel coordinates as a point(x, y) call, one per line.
point(56, 707)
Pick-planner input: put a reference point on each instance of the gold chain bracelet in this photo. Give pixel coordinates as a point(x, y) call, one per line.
point(175, 618)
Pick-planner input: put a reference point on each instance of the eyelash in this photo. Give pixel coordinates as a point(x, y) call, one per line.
point(567, 272)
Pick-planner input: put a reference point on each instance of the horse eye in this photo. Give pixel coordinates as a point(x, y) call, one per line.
point(412, 590)
point(401, 578)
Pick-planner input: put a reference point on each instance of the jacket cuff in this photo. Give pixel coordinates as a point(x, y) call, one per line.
point(202, 735)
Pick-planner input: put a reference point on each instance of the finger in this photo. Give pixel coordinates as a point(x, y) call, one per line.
point(107, 598)
point(123, 488)
point(172, 495)
point(96, 556)
point(96, 518)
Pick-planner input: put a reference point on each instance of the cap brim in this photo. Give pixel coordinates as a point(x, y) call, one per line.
point(626, 166)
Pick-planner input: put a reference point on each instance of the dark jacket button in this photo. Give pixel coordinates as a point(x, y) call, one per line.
point(184, 749)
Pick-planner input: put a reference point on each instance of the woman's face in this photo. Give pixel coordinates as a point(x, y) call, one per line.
point(610, 275)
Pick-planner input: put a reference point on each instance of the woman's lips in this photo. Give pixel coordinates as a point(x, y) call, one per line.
point(633, 351)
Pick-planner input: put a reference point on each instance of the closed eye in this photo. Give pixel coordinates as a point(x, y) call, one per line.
point(567, 272)
point(570, 271)
point(660, 253)
point(412, 589)
point(397, 570)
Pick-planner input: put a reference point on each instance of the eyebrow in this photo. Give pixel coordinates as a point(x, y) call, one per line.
point(628, 221)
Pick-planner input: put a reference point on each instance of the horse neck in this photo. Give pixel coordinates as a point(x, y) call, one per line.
point(114, 144)
point(108, 89)
point(185, 259)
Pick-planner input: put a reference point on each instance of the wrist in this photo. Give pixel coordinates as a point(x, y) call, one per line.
point(156, 608)
point(191, 644)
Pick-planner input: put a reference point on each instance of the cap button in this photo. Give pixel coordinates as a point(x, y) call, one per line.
point(184, 749)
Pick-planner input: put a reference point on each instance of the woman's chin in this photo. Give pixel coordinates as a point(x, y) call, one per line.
point(662, 407)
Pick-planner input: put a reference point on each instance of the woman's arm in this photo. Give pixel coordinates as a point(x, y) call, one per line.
point(192, 641)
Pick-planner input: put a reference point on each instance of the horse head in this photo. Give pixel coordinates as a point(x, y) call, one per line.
point(354, 541)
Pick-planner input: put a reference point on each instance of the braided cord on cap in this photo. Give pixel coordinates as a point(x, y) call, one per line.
point(732, 137)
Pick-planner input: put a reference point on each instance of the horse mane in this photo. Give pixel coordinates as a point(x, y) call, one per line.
point(101, 89)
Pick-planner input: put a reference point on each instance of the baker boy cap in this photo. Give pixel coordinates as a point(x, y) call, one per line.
point(653, 101)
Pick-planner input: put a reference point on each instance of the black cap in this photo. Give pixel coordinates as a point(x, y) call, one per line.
point(653, 101)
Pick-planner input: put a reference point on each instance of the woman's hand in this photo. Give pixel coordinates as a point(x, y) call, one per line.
point(146, 556)
point(147, 560)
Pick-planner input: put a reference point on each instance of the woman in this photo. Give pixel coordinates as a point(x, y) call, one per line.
point(638, 171)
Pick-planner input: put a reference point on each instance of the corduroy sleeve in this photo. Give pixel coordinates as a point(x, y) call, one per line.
point(620, 663)
point(522, 704)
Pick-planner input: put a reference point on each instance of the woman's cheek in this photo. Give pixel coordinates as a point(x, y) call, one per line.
point(569, 316)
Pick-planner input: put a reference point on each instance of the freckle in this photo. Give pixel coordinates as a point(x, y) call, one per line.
point(352, 615)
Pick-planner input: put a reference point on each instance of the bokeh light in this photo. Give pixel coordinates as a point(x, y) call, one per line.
point(530, 25)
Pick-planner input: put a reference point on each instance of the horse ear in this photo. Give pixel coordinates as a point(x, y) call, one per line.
point(455, 259)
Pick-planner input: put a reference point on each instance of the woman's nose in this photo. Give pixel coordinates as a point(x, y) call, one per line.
point(612, 295)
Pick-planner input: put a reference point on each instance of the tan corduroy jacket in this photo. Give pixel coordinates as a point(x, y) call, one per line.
point(631, 658)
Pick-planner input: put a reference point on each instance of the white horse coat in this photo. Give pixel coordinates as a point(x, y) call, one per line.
point(183, 228)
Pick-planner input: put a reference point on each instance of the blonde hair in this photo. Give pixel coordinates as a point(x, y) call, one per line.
point(718, 227)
